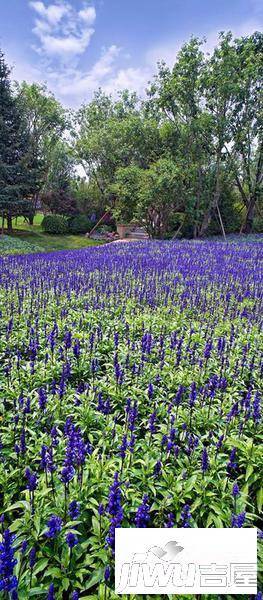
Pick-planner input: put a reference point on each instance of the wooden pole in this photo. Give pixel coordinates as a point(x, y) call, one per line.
point(178, 231)
point(97, 224)
point(221, 222)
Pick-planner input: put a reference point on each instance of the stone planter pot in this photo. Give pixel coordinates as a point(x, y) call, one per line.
point(123, 229)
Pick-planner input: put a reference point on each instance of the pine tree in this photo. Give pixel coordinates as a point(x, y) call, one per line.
point(13, 150)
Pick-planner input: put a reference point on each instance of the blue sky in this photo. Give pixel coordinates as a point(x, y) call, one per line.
point(75, 46)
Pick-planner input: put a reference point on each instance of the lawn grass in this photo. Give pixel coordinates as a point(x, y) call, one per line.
point(33, 234)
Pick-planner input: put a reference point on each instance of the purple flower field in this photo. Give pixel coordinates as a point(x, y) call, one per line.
point(130, 385)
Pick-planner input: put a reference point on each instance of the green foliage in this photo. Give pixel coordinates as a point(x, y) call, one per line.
point(14, 177)
point(60, 170)
point(232, 80)
point(232, 212)
point(59, 201)
point(114, 134)
point(210, 112)
point(11, 245)
point(80, 224)
point(126, 190)
point(151, 160)
point(46, 122)
point(105, 229)
point(160, 196)
point(55, 224)
point(258, 224)
point(87, 197)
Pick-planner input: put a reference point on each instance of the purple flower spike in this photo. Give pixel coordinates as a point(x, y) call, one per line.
point(8, 581)
point(142, 517)
point(54, 526)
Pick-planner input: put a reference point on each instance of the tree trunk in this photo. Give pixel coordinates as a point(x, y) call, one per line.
point(9, 224)
point(247, 225)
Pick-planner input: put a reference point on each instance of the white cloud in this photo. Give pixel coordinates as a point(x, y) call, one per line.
point(62, 32)
point(64, 46)
point(104, 65)
point(134, 79)
point(84, 84)
point(52, 13)
point(75, 86)
point(88, 14)
point(137, 78)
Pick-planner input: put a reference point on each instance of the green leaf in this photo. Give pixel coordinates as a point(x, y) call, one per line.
point(96, 525)
point(55, 572)
point(249, 471)
point(97, 577)
point(41, 565)
point(196, 503)
point(65, 583)
point(210, 519)
point(20, 504)
point(260, 499)
point(217, 521)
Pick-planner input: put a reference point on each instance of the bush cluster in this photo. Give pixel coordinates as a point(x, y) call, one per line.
point(55, 224)
point(60, 224)
point(80, 224)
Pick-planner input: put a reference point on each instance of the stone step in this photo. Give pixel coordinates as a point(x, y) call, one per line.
point(138, 232)
point(137, 228)
point(137, 236)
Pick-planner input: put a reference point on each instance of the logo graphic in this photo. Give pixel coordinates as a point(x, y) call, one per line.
point(154, 554)
point(169, 552)
point(197, 561)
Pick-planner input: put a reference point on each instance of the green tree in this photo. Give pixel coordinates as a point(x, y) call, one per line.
point(160, 196)
point(176, 99)
point(46, 123)
point(13, 151)
point(56, 194)
point(233, 96)
point(61, 168)
point(246, 152)
point(95, 145)
point(126, 190)
point(113, 134)
point(88, 197)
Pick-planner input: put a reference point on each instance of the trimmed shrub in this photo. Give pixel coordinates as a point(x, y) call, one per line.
point(55, 224)
point(80, 224)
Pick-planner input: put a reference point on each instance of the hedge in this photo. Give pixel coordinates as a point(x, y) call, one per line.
point(55, 224)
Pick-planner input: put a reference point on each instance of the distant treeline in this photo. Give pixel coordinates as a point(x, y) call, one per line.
point(187, 159)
